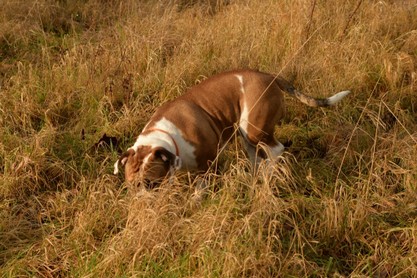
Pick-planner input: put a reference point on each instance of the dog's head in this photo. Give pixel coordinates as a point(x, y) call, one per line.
point(147, 164)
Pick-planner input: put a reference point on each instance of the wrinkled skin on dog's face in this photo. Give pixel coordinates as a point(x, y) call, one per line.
point(147, 164)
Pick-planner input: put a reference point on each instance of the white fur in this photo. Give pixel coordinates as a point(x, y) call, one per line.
point(116, 167)
point(240, 78)
point(154, 139)
point(337, 97)
point(244, 120)
point(161, 139)
point(274, 152)
point(244, 115)
point(145, 161)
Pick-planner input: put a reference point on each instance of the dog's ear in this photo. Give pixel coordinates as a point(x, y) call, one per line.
point(168, 157)
point(122, 160)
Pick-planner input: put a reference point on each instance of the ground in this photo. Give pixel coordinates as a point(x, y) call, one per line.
point(76, 75)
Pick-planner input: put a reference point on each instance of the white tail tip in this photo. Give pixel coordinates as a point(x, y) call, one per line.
point(337, 97)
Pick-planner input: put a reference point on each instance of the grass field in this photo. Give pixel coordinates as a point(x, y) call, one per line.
point(342, 202)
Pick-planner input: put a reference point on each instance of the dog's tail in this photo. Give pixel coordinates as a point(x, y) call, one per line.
point(310, 101)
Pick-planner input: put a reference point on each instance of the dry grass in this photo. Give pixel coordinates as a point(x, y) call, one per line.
point(342, 202)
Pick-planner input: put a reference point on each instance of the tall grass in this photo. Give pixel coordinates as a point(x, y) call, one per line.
point(341, 202)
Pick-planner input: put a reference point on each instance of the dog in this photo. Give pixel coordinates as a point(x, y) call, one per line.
point(186, 133)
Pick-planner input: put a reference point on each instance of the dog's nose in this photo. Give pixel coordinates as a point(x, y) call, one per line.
point(149, 184)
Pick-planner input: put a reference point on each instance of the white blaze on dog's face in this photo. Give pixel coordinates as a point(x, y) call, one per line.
point(146, 164)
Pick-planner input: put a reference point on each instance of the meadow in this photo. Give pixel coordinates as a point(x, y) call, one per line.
point(79, 80)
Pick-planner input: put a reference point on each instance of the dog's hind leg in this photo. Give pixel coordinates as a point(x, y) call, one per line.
point(273, 150)
point(270, 153)
point(251, 152)
point(267, 149)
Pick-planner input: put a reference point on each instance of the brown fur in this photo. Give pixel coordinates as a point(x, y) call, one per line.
point(208, 111)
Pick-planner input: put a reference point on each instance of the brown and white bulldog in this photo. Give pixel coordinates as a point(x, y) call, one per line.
point(186, 133)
